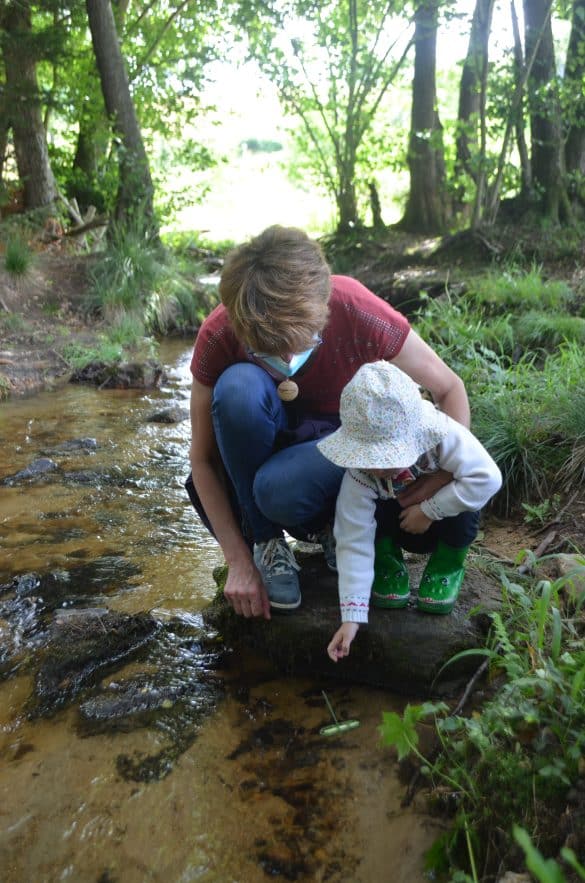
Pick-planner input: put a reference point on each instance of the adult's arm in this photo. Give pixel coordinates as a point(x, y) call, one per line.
point(244, 588)
point(419, 361)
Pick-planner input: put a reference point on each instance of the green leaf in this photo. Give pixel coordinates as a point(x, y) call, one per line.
point(400, 732)
point(571, 859)
point(545, 870)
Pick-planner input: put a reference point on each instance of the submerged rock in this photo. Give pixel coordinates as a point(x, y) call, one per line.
point(82, 647)
point(172, 414)
point(37, 469)
point(401, 650)
point(178, 689)
point(75, 445)
point(29, 600)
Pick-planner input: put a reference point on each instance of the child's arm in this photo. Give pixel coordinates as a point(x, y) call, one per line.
point(355, 532)
point(476, 477)
point(341, 640)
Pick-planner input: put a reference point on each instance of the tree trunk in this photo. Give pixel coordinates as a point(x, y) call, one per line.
point(545, 121)
point(346, 199)
point(426, 210)
point(375, 206)
point(574, 79)
point(24, 108)
point(471, 106)
point(526, 194)
point(86, 154)
point(135, 190)
point(4, 131)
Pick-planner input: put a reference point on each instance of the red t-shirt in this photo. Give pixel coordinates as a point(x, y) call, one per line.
point(361, 328)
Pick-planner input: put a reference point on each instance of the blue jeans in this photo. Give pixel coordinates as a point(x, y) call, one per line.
point(273, 487)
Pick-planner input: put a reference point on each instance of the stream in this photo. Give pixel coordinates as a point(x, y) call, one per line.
point(172, 758)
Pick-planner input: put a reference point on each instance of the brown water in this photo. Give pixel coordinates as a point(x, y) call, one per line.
point(246, 793)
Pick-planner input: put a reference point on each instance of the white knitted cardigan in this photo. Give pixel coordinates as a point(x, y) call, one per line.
point(476, 478)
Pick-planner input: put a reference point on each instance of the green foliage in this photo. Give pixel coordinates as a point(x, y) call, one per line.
point(12, 322)
point(331, 74)
point(128, 271)
point(546, 870)
point(522, 291)
point(515, 758)
point(540, 512)
point(5, 387)
point(78, 356)
point(140, 288)
point(18, 257)
point(520, 353)
point(400, 730)
point(126, 329)
point(538, 330)
point(195, 247)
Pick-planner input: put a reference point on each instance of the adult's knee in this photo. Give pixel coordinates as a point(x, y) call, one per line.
point(272, 498)
point(286, 501)
point(241, 391)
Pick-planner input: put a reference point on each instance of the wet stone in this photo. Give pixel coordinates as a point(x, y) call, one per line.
point(140, 696)
point(79, 650)
point(75, 445)
point(36, 470)
point(178, 689)
point(129, 375)
point(96, 577)
point(172, 414)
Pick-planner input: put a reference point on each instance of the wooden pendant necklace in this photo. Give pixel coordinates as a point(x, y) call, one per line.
point(287, 390)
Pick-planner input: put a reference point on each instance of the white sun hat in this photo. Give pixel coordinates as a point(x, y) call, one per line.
point(385, 422)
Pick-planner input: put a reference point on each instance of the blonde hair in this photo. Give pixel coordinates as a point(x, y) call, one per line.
point(276, 289)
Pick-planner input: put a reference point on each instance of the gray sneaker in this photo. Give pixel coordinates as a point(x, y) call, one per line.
point(326, 540)
point(278, 568)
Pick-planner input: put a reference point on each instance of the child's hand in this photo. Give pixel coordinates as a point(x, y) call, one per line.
point(341, 640)
point(414, 520)
point(424, 487)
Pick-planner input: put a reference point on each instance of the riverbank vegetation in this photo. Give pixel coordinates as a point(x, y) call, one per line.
point(511, 773)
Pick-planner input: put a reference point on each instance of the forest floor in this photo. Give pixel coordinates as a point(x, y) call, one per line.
point(47, 308)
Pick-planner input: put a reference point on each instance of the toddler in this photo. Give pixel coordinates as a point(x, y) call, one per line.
point(390, 436)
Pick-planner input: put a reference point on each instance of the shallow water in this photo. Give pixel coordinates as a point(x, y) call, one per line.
point(228, 780)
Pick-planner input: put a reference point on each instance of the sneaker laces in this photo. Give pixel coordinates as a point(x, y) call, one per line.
point(277, 557)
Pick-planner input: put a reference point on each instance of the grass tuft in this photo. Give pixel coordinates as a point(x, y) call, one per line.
point(18, 258)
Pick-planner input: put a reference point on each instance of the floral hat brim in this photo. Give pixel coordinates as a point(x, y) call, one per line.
point(344, 448)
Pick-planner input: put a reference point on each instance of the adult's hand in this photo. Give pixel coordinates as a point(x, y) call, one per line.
point(423, 488)
point(245, 591)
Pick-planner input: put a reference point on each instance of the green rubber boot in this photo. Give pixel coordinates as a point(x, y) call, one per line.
point(390, 587)
point(442, 579)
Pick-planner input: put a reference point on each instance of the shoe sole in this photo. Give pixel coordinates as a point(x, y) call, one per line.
point(438, 607)
point(277, 605)
point(392, 603)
